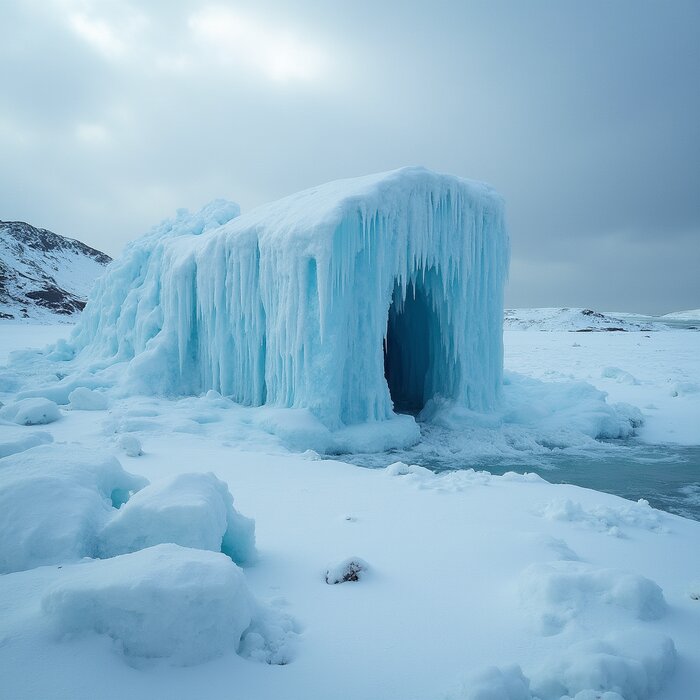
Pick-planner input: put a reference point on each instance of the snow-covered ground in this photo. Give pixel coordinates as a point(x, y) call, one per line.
point(466, 574)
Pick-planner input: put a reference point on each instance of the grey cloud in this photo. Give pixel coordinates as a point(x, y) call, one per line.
point(586, 116)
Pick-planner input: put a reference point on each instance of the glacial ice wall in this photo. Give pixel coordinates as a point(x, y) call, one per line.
point(344, 299)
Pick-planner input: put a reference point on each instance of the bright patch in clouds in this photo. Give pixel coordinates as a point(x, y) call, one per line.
point(98, 34)
point(94, 134)
point(274, 51)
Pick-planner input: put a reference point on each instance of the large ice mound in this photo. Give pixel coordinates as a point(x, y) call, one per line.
point(348, 299)
point(168, 601)
point(54, 501)
point(192, 510)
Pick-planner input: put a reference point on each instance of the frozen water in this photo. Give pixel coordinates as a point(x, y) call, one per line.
point(310, 302)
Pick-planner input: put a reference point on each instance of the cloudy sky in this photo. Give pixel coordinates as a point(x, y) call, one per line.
point(584, 115)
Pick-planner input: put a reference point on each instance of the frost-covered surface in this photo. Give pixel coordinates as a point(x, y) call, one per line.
point(54, 501)
point(172, 602)
point(192, 510)
point(44, 276)
point(288, 305)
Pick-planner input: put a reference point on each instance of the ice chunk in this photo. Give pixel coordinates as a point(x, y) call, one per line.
point(167, 601)
point(84, 399)
point(32, 411)
point(54, 500)
point(192, 510)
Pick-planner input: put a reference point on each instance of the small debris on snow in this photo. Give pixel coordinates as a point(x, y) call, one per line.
point(350, 569)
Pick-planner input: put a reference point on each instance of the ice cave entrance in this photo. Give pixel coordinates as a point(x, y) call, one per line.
point(412, 336)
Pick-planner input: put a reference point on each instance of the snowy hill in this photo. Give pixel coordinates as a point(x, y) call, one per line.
point(44, 275)
point(565, 319)
point(690, 315)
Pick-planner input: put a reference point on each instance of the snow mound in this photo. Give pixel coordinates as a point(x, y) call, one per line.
point(556, 593)
point(631, 665)
point(608, 519)
point(289, 305)
point(31, 411)
point(634, 664)
point(12, 442)
point(167, 601)
point(130, 445)
point(54, 501)
point(191, 510)
point(84, 399)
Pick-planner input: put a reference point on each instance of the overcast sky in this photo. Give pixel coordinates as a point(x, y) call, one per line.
point(584, 115)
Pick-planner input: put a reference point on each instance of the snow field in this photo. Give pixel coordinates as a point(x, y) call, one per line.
point(448, 554)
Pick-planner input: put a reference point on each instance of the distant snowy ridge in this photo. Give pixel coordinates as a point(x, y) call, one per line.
point(689, 315)
point(566, 319)
point(44, 276)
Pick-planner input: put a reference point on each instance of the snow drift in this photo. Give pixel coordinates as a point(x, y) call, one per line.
point(351, 299)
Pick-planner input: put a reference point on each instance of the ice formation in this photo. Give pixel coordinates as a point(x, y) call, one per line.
point(350, 299)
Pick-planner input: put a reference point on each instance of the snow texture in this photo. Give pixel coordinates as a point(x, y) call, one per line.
point(632, 665)
point(309, 301)
point(192, 510)
point(130, 445)
point(34, 411)
point(54, 500)
point(168, 601)
point(84, 399)
point(13, 441)
point(557, 593)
